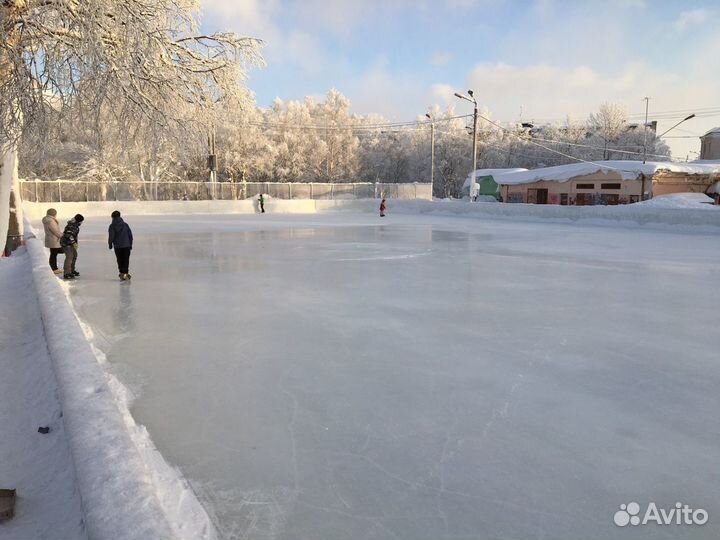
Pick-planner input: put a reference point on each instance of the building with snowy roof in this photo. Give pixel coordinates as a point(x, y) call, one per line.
point(605, 182)
point(485, 184)
point(710, 144)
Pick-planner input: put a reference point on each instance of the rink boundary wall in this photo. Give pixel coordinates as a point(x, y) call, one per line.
point(119, 498)
point(633, 213)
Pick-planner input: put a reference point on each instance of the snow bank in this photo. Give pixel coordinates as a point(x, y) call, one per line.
point(632, 213)
point(628, 170)
point(39, 466)
point(638, 213)
point(127, 490)
point(36, 211)
point(698, 201)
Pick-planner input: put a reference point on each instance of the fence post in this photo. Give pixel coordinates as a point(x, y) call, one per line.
point(87, 191)
point(332, 192)
point(37, 196)
point(290, 191)
point(60, 190)
point(312, 196)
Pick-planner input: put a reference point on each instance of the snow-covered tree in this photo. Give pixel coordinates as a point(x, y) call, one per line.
point(142, 58)
point(608, 124)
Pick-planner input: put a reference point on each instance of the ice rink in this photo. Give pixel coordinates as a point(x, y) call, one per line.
point(339, 377)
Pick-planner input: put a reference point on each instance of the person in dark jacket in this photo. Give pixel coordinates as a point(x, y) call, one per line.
point(69, 244)
point(120, 237)
point(261, 202)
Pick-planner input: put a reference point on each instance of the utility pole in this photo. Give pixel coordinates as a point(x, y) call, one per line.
point(647, 105)
point(432, 155)
point(475, 122)
point(212, 161)
point(472, 100)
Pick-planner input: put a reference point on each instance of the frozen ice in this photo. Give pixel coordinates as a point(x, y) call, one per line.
point(420, 377)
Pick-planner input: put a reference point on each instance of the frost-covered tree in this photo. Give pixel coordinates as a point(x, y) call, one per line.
point(142, 58)
point(608, 124)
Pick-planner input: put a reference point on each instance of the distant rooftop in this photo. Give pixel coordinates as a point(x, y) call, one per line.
point(628, 170)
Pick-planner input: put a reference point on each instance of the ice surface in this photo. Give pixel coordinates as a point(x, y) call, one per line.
point(421, 377)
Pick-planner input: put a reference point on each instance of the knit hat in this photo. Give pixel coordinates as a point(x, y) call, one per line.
point(79, 218)
point(51, 212)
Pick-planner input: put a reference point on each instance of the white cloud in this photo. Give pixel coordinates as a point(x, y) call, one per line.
point(247, 17)
point(440, 59)
point(460, 3)
point(306, 51)
point(442, 93)
point(690, 18)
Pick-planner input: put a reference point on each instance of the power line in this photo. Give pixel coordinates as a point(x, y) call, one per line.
point(616, 150)
point(359, 127)
point(549, 149)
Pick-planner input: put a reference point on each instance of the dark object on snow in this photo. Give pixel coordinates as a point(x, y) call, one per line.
point(7, 504)
point(44, 430)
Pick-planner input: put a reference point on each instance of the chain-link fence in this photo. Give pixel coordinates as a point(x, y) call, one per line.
point(78, 191)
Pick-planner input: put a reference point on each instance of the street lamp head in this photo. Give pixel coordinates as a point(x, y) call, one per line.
point(429, 117)
point(460, 96)
point(470, 92)
point(689, 117)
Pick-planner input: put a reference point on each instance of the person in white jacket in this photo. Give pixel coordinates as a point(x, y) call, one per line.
point(52, 237)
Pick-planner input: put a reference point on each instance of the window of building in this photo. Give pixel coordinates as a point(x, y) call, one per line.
point(586, 186)
point(609, 186)
point(564, 199)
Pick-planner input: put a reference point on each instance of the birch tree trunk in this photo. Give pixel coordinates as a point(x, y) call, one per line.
point(11, 219)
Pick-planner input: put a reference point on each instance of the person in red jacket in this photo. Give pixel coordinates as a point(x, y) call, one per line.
point(382, 208)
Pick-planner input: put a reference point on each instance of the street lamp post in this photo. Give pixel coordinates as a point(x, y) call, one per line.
point(432, 155)
point(647, 105)
point(676, 125)
point(472, 100)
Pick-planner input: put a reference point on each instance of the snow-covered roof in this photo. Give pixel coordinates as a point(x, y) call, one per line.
point(713, 131)
point(489, 172)
point(628, 170)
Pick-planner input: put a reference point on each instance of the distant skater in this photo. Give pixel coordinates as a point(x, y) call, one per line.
point(261, 202)
point(52, 238)
point(120, 237)
point(382, 208)
point(69, 243)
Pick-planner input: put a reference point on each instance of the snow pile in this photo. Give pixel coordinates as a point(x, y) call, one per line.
point(628, 170)
point(127, 490)
point(39, 466)
point(682, 200)
point(631, 213)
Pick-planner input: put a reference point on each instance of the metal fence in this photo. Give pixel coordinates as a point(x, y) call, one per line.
point(78, 191)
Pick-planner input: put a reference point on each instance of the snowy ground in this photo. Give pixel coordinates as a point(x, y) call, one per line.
point(39, 466)
point(422, 377)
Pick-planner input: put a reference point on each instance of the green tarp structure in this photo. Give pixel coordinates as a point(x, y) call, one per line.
point(488, 186)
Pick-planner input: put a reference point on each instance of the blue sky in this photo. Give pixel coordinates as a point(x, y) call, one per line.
point(535, 60)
